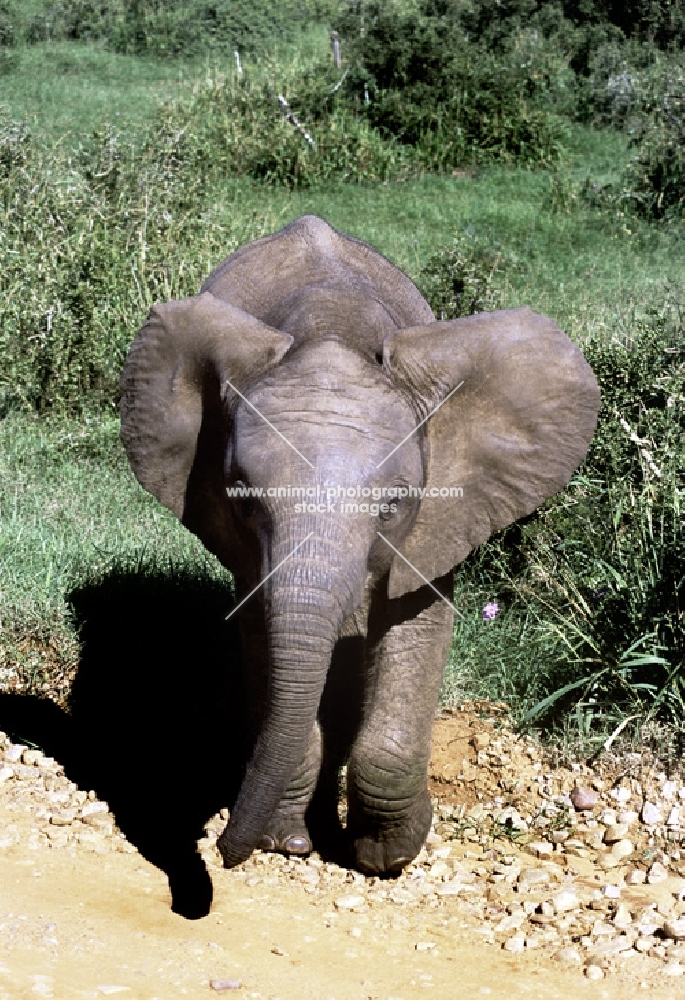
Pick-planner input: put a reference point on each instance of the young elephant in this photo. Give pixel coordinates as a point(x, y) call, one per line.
point(309, 362)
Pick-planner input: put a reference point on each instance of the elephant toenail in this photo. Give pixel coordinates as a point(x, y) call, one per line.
point(297, 844)
point(267, 843)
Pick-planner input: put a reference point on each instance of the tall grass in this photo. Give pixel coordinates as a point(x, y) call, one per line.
point(592, 585)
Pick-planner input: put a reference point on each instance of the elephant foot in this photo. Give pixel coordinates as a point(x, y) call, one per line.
point(387, 852)
point(287, 834)
point(294, 843)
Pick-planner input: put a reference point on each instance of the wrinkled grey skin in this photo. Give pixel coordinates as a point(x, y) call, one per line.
point(306, 359)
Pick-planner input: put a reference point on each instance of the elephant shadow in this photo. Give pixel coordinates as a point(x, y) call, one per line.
point(156, 720)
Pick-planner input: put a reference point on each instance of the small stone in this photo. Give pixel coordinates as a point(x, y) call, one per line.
point(63, 817)
point(424, 945)
point(657, 873)
point(622, 917)
point(541, 849)
point(349, 902)
point(533, 876)
point(515, 944)
point(559, 836)
point(569, 955)
point(622, 849)
point(100, 821)
point(674, 817)
point(6, 773)
point(14, 752)
point(565, 900)
point(614, 946)
point(584, 798)
point(673, 969)
point(439, 869)
point(611, 891)
point(510, 923)
point(225, 984)
point(607, 861)
point(31, 757)
point(651, 815)
point(615, 832)
point(627, 817)
point(594, 972)
point(675, 928)
point(636, 876)
point(279, 951)
point(91, 808)
point(25, 772)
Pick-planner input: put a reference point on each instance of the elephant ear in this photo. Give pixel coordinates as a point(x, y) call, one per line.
point(176, 385)
point(509, 436)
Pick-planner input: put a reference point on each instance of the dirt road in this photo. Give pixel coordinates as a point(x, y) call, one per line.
point(82, 914)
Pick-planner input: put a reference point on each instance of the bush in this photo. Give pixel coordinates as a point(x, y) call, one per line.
point(88, 248)
point(81, 20)
point(416, 75)
point(236, 126)
point(173, 28)
point(8, 32)
point(458, 280)
point(655, 177)
point(8, 38)
point(593, 580)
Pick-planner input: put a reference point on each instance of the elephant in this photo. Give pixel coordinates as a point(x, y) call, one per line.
point(341, 451)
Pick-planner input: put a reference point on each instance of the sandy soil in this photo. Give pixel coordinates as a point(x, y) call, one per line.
point(74, 924)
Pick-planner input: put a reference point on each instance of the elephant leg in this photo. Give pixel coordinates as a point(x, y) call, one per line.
point(286, 831)
point(389, 806)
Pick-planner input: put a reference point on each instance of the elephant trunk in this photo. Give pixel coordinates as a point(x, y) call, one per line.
point(303, 618)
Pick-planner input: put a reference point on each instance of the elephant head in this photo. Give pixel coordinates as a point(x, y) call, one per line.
point(309, 361)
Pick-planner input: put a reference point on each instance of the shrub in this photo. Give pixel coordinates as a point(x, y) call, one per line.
point(8, 38)
point(87, 250)
point(236, 126)
point(655, 177)
point(173, 28)
point(82, 20)
point(416, 75)
point(458, 280)
point(8, 32)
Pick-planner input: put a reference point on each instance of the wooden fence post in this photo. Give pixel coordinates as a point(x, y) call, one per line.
point(335, 44)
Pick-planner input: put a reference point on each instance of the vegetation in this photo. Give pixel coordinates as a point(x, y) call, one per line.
point(535, 156)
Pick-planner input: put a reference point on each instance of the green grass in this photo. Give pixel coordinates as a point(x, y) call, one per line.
point(71, 513)
point(590, 271)
point(67, 89)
